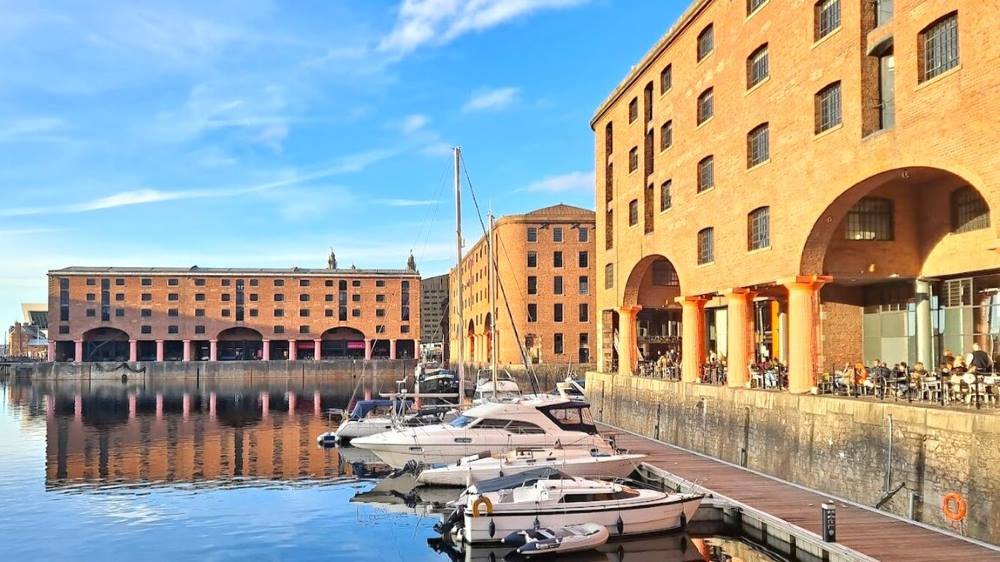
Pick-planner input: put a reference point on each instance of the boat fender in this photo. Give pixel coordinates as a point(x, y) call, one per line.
point(482, 500)
point(684, 520)
point(620, 525)
point(493, 528)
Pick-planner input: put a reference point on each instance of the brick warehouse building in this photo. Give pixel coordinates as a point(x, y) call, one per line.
point(545, 267)
point(201, 314)
point(811, 181)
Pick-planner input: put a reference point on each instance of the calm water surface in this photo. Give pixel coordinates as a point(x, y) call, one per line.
point(218, 470)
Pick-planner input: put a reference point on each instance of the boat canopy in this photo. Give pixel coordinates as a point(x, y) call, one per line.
point(364, 407)
point(526, 478)
point(571, 416)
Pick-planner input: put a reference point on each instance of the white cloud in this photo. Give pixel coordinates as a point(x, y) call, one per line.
point(498, 98)
point(572, 181)
point(39, 128)
point(438, 22)
point(411, 123)
point(407, 202)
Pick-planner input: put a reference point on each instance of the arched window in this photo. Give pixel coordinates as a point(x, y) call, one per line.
point(706, 173)
point(706, 246)
point(706, 42)
point(758, 145)
point(827, 17)
point(828, 113)
point(759, 228)
point(968, 210)
point(706, 106)
point(757, 67)
point(938, 47)
point(870, 220)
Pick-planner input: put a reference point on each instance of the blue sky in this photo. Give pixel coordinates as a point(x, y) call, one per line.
point(255, 133)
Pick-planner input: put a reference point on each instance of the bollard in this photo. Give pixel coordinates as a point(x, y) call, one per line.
point(829, 522)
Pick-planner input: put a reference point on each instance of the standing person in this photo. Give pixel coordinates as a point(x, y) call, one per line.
point(979, 360)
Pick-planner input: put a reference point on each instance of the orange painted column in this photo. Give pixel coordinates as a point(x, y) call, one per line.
point(133, 350)
point(693, 337)
point(628, 340)
point(803, 324)
point(740, 328)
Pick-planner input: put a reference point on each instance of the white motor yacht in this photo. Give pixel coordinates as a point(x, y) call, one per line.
point(494, 427)
point(573, 462)
point(490, 390)
point(490, 510)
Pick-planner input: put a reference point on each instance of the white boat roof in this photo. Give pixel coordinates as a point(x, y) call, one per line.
point(528, 403)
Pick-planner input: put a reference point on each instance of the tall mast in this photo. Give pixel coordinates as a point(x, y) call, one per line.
point(460, 336)
point(492, 279)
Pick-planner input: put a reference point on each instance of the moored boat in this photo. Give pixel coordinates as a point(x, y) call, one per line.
point(573, 462)
point(560, 540)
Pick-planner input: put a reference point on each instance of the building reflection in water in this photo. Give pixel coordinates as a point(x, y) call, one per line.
point(129, 435)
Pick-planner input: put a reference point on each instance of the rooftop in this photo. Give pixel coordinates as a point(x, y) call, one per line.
point(210, 271)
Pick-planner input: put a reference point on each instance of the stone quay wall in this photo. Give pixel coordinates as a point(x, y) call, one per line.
point(836, 445)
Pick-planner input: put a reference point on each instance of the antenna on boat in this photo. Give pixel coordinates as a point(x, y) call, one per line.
point(493, 302)
point(458, 273)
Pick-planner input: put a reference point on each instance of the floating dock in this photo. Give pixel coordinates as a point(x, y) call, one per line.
point(787, 518)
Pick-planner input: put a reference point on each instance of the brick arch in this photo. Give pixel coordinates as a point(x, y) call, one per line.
point(630, 292)
point(343, 333)
point(239, 333)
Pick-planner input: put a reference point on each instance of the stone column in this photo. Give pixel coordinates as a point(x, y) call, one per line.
point(924, 329)
point(293, 352)
point(78, 351)
point(51, 357)
point(265, 353)
point(628, 353)
point(693, 338)
point(803, 317)
point(317, 350)
point(159, 351)
point(133, 350)
point(783, 332)
point(213, 350)
point(187, 351)
point(392, 349)
point(368, 350)
point(740, 327)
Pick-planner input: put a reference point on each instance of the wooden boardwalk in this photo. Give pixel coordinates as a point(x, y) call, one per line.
point(868, 532)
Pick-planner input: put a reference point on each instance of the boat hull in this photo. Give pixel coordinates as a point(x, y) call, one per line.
point(450, 448)
point(651, 517)
point(352, 429)
point(618, 466)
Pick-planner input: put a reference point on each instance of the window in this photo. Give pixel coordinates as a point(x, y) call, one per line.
point(175, 297)
point(146, 297)
point(532, 234)
point(666, 79)
point(91, 282)
point(356, 312)
point(303, 282)
point(199, 297)
point(583, 260)
point(199, 329)
point(303, 329)
point(63, 330)
point(648, 196)
point(226, 313)
point(706, 108)
point(557, 259)
point(532, 259)
point(91, 313)
point(633, 212)
point(633, 159)
point(380, 313)
point(279, 313)
point(253, 313)
point(827, 17)
point(938, 47)
point(609, 139)
point(664, 274)
point(254, 283)
point(609, 183)
point(304, 297)
point(147, 282)
point(633, 110)
point(665, 200)
point(146, 329)
point(328, 313)
point(175, 282)
point(828, 113)
point(557, 343)
point(380, 283)
point(279, 282)
point(584, 312)
point(609, 276)
point(609, 229)
point(119, 282)
point(557, 234)
point(583, 234)
point(199, 282)
point(303, 312)
point(532, 285)
point(883, 12)
point(757, 69)
point(226, 297)
point(759, 229)
point(354, 298)
point(753, 5)
point(706, 42)
point(226, 282)
point(584, 285)
point(172, 329)
point(532, 312)
point(146, 312)
point(870, 219)
point(199, 312)
point(91, 297)
point(557, 285)
point(706, 246)
point(706, 174)
point(173, 313)
point(279, 329)
point(557, 312)
point(968, 210)
point(758, 146)
point(666, 135)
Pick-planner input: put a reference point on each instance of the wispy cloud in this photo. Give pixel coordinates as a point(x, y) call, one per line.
point(411, 123)
point(37, 128)
point(572, 181)
point(497, 98)
point(407, 202)
point(438, 22)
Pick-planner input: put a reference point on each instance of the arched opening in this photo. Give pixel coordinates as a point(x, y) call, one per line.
point(471, 334)
point(648, 334)
point(105, 344)
point(488, 329)
point(342, 342)
point(914, 267)
point(240, 344)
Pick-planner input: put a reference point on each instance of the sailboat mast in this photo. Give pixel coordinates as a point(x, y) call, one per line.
point(492, 279)
point(460, 336)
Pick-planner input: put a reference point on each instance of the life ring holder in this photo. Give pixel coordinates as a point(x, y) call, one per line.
point(482, 500)
point(955, 507)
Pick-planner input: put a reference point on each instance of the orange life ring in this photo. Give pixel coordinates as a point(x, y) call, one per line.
point(954, 506)
point(482, 500)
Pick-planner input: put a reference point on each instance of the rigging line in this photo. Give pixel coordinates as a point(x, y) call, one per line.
point(423, 235)
point(503, 291)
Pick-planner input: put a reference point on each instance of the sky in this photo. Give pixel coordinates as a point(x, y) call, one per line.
point(258, 133)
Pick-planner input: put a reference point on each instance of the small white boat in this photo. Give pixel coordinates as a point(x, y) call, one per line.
point(490, 510)
point(368, 418)
point(501, 389)
point(572, 462)
point(561, 540)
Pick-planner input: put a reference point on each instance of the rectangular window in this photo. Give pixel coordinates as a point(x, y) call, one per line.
point(91, 282)
point(199, 312)
point(828, 113)
point(147, 282)
point(199, 329)
point(584, 312)
point(119, 297)
point(226, 282)
point(146, 297)
point(827, 17)
point(199, 297)
point(199, 282)
point(665, 200)
point(557, 234)
point(303, 329)
point(706, 246)
point(328, 313)
point(633, 212)
point(633, 110)
point(609, 229)
point(146, 312)
point(583, 259)
point(279, 297)
point(173, 313)
point(870, 220)
point(557, 285)
point(609, 139)
point(119, 282)
point(146, 329)
point(609, 276)
point(356, 313)
point(757, 69)
point(532, 285)
point(532, 312)
point(584, 284)
point(279, 313)
point(706, 42)
point(633, 159)
point(557, 259)
point(303, 282)
point(666, 135)
point(758, 146)
point(532, 259)
point(380, 283)
point(253, 313)
point(173, 282)
point(706, 105)
point(120, 312)
point(664, 274)
point(303, 312)
point(759, 229)
point(938, 44)
point(354, 283)
point(706, 174)
point(226, 313)
point(532, 234)
point(226, 297)
point(172, 329)
point(666, 79)
point(380, 313)
point(91, 313)
point(279, 282)
point(557, 343)
point(557, 312)
point(304, 297)
point(279, 329)
point(883, 12)
point(583, 234)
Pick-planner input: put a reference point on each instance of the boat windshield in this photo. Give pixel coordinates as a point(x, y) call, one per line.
point(461, 421)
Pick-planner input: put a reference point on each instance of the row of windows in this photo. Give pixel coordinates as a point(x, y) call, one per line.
point(583, 285)
point(200, 282)
point(583, 259)
point(583, 311)
point(557, 233)
point(253, 312)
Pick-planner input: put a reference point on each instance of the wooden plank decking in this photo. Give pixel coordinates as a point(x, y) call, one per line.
point(866, 531)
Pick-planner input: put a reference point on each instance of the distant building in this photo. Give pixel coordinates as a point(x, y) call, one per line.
point(28, 339)
point(545, 295)
point(201, 314)
point(433, 309)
